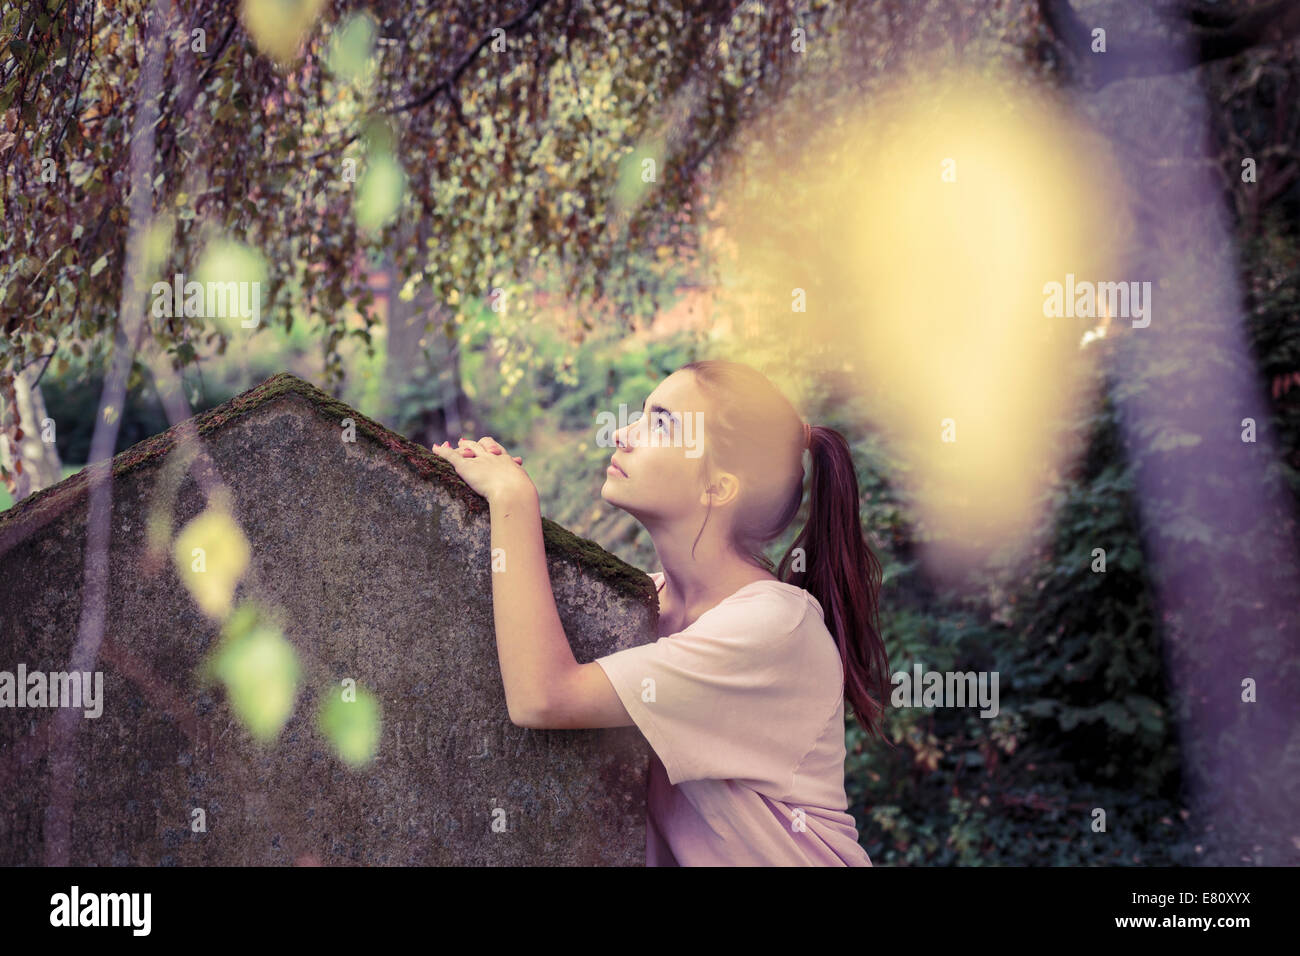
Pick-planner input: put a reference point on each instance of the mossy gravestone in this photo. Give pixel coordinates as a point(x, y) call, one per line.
point(372, 558)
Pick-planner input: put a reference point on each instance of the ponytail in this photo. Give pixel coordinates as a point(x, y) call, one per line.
point(843, 574)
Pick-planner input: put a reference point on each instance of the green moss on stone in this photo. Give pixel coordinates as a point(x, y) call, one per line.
point(35, 510)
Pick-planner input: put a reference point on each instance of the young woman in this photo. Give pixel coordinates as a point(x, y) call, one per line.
point(742, 696)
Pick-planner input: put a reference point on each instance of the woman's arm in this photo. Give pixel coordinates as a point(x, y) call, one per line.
point(531, 644)
point(545, 686)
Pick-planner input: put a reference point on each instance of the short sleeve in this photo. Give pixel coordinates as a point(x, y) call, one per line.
point(736, 696)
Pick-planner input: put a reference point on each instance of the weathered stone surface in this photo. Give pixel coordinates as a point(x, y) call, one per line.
point(377, 556)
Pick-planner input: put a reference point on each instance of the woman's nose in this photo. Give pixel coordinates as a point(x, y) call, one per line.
point(627, 436)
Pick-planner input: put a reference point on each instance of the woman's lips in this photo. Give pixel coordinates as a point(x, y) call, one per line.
point(613, 469)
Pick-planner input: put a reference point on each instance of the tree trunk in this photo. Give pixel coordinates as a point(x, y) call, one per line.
point(36, 450)
point(441, 410)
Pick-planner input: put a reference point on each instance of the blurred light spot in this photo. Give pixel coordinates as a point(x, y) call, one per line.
point(921, 231)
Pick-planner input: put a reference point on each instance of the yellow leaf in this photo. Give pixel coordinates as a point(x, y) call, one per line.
point(278, 26)
point(211, 555)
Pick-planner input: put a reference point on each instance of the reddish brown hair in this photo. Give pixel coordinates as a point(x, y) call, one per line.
point(752, 423)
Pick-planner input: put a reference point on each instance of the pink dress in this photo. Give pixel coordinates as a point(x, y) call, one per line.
point(744, 711)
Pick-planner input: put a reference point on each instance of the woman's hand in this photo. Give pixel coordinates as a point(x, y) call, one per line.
point(487, 468)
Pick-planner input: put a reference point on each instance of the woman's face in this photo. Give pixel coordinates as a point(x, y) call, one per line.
point(660, 454)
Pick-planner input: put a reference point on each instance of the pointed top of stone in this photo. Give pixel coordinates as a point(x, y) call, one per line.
point(31, 514)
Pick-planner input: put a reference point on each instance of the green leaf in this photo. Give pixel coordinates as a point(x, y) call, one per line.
point(351, 725)
point(350, 51)
point(379, 193)
point(259, 669)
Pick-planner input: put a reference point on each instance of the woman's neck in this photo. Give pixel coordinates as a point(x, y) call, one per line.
point(692, 595)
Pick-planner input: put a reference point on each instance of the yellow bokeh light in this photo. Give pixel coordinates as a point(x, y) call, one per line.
point(917, 237)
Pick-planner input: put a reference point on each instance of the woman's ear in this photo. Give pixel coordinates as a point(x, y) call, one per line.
point(723, 490)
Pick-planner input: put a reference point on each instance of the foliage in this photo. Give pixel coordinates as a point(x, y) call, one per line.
point(425, 112)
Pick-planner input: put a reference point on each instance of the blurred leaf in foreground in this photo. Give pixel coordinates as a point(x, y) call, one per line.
point(211, 555)
point(278, 26)
point(352, 46)
point(350, 719)
point(379, 193)
point(259, 670)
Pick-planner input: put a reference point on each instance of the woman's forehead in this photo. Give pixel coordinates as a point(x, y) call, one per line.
point(678, 392)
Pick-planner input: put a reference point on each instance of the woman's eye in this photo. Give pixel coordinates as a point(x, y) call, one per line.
point(661, 421)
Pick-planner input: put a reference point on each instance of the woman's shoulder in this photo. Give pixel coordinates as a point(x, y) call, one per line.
point(762, 609)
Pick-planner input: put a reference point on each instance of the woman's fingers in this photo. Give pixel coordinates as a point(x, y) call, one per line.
point(474, 448)
point(494, 446)
point(445, 450)
point(466, 447)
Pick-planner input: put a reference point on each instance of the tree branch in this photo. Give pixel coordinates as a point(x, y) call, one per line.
point(447, 85)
